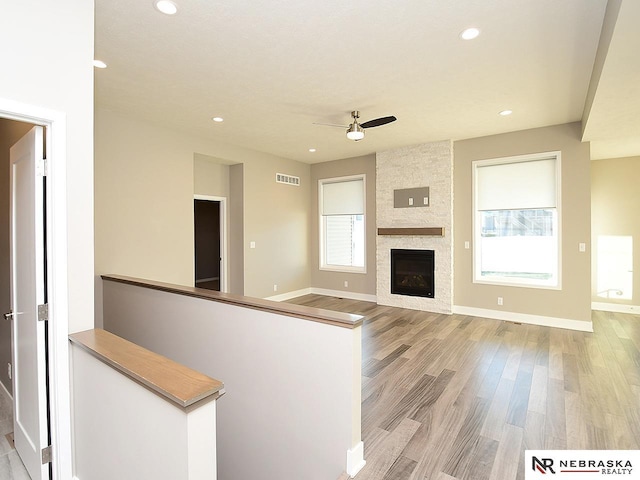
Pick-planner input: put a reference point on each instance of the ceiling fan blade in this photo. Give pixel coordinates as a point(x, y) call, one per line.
point(331, 125)
point(376, 122)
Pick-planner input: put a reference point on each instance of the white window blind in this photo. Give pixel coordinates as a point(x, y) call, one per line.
point(343, 198)
point(519, 185)
point(339, 239)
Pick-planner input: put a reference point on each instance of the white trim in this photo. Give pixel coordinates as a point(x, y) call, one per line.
point(224, 240)
point(365, 297)
point(355, 459)
point(344, 268)
point(59, 393)
point(283, 297)
point(567, 323)
point(616, 308)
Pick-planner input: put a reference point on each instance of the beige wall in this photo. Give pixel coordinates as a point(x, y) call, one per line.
point(236, 229)
point(144, 200)
point(615, 207)
point(47, 61)
point(10, 133)
point(358, 282)
point(144, 186)
point(573, 301)
point(276, 217)
point(210, 176)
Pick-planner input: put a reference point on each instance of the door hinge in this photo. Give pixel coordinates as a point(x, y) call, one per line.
point(43, 312)
point(46, 455)
point(42, 168)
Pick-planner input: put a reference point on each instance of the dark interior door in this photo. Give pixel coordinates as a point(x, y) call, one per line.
point(207, 243)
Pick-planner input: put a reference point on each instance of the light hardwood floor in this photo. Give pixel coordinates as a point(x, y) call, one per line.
point(455, 397)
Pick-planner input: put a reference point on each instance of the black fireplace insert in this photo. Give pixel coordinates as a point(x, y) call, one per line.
point(412, 272)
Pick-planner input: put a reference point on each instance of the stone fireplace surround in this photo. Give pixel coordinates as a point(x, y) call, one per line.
point(427, 165)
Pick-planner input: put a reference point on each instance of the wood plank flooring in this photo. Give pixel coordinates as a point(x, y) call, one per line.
point(457, 397)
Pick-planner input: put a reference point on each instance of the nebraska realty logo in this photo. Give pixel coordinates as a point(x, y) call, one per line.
point(581, 464)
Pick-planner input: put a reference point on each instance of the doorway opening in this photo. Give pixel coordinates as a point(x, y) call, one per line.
point(15, 134)
point(209, 222)
point(52, 389)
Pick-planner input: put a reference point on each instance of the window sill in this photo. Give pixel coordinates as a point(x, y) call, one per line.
point(506, 283)
point(328, 268)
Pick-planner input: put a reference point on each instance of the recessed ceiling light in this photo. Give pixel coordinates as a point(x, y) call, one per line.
point(99, 64)
point(312, 150)
point(469, 33)
point(218, 119)
point(166, 6)
point(504, 113)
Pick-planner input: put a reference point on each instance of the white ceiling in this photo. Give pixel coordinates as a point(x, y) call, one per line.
point(273, 67)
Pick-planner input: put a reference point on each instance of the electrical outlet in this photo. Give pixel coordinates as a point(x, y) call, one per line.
point(252, 245)
point(500, 301)
point(346, 283)
point(275, 287)
point(9, 370)
point(582, 247)
point(466, 244)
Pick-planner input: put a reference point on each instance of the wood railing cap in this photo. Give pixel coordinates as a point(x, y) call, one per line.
point(340, 319)
point(174, 381)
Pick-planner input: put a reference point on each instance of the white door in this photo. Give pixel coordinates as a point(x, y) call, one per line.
point(27, 292)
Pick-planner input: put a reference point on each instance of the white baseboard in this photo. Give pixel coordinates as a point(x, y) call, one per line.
point(355, 459)
point(616, 308)
point(569, 324)
point(365, 297)
point(289, 295)
point(323, 291)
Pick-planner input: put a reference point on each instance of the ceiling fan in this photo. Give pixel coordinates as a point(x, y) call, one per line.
point(355, 130)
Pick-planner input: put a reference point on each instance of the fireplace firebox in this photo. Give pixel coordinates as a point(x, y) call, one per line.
point(412, 272)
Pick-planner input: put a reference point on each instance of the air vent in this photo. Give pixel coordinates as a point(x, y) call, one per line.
point(288, 179)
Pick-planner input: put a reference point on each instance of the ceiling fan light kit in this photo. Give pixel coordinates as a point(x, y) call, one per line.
point(355, 132)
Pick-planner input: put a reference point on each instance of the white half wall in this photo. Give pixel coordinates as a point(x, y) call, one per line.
point(293, 386)
point(123, 430)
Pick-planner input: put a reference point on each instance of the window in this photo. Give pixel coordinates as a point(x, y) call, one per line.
point(516, 222)
point(342, 221)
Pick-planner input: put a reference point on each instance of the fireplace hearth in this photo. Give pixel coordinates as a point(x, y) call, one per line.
point(412, 272)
